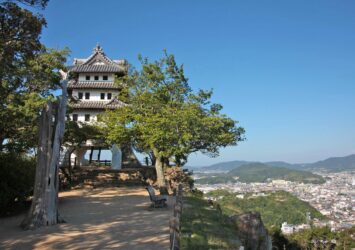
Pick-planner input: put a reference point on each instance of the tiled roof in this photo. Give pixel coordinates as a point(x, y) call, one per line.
point(98, 69)
point(92, 85)
point(98, 104)
point(98, 62)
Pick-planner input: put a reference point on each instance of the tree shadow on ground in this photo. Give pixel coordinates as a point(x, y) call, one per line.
point(118, 218)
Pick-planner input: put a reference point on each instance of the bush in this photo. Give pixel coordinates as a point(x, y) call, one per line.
point(17, 174)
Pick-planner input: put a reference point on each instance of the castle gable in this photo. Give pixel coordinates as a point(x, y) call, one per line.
point(98, 62)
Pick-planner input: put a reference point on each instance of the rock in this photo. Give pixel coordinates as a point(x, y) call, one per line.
point(252, 231)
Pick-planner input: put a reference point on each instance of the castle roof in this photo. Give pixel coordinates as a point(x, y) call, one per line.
point(113, 104)
point(98, 62)
point(92, 85)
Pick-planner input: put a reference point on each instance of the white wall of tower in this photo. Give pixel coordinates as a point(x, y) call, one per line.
point(81, 115)
point(82, 77)
point(95, 95)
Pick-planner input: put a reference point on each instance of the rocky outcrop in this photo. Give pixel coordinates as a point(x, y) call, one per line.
point(252, 231)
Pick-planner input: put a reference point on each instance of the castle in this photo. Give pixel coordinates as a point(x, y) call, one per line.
point(93, 90)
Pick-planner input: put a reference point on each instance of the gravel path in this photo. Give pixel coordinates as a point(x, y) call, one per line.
point(110, 218)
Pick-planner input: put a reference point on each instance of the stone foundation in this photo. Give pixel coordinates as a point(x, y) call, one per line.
point(89, 177)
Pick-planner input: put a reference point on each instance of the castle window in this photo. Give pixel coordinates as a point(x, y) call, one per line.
point(80, 95)
point(87, 95)
point(109, 96)
point(87, 78)
point(105, 78)
point(102, 96)
point(87, 117)
point(96, 78)
point(75, 117)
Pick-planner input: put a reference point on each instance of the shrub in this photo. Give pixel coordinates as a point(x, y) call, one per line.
point(17, 174)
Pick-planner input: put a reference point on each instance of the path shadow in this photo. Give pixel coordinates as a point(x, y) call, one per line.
point(115, 218)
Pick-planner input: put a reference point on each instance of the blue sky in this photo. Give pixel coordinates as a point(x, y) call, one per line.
point(284, 69)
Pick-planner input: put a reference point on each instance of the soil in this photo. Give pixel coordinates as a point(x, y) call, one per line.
point(110, 218)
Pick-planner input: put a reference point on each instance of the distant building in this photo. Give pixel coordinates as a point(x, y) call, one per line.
point(302, 227)
point(287, 228)
point(240, 196)
point(279, 182)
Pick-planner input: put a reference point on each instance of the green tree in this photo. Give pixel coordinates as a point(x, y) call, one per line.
point(28, 74)
point(164, 117)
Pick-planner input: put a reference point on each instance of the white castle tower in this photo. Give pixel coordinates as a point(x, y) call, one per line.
point(93, 90)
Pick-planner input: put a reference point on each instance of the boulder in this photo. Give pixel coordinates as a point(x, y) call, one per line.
point(252, 231)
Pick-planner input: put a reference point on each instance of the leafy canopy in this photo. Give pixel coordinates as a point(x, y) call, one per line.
point(164, 116)
point(28, 74)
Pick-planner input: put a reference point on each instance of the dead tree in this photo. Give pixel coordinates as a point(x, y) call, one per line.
point(44, 208)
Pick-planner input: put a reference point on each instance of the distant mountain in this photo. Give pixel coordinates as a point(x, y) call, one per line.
point(334, 164)
point(222, 167)
point(259, 172)
point(283, 164)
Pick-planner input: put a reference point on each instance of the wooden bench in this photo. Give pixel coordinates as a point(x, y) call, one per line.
point(157, 200)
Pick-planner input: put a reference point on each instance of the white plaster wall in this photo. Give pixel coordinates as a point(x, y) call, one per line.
point(81, 115)
point(95, 95)
point(82, 76)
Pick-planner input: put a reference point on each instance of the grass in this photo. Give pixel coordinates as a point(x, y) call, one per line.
point(205, 227)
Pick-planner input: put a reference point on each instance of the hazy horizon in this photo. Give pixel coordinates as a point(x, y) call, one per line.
point(275, 160)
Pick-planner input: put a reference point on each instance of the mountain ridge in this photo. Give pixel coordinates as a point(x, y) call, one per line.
point(260, 172)
point(333, 164)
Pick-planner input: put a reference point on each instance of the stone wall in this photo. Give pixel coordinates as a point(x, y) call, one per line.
point(93, 177)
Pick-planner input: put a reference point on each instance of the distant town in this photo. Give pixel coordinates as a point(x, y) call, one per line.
point(335, 198)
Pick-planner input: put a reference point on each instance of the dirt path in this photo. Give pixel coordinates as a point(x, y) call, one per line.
point(114, 218)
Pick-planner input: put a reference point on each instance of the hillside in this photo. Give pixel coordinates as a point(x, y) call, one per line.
point(334, 164)
point(204, 227)
point(259, 172)
point(275, 208)
point(220, 167)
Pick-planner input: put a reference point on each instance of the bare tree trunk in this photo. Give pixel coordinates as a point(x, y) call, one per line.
point(44, 208)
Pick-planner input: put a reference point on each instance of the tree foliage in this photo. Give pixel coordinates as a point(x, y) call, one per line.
point(164, 117)
point(274, 208)
point(322, 238)
point(77, 133)
point(17, 174)
point(28, 74)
